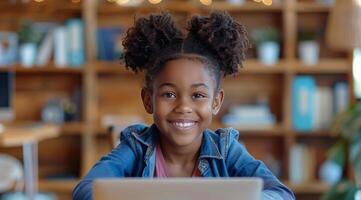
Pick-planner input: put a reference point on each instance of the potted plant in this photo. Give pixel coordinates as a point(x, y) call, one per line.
point(347, 148)
point(308, 47)
point(267, 40)
point(29, 39)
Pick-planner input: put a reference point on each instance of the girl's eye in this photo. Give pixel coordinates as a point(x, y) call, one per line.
point(169, 95)
point(199, 95)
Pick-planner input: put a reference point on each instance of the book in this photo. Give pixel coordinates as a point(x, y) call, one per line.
point(323, 108)
point(75, 42)
point(108, 43)
point(60, 47)
point(302, 164)
point(303, 103)
point(8, 48)
point(340, 96)
point(249, 116)
point(45, 49)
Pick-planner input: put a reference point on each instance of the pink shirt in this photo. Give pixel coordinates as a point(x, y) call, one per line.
point(161, 168)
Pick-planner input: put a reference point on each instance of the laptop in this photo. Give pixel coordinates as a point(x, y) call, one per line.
point(6, 95)
point(178, 189)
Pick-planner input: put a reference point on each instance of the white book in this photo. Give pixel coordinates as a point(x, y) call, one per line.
point(45, 50)
point(341, 97)
point(301, 164)
point(60, 47)
point(324, 108)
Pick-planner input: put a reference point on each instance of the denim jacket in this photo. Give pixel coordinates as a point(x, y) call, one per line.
point(221, 155)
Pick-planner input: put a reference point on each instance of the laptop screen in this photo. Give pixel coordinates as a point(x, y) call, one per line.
point(6, 92)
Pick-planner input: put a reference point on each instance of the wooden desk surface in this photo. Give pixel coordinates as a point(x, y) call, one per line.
point(19, 134)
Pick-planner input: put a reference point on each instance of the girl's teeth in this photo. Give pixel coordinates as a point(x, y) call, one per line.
point(183, 125)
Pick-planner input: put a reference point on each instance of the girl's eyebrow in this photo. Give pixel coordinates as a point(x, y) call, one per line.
point(166, 85)
point(200, 85)
point(174, 86)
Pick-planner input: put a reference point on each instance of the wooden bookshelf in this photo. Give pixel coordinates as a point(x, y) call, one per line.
point(48, 69)
point(107, 87)
point(311, 7)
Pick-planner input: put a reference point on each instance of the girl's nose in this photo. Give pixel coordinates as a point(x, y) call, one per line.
point(183, 106)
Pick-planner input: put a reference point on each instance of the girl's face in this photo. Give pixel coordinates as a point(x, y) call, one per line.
point(183, 101)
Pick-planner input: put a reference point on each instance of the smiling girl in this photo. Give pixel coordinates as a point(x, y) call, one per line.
point(183, 91)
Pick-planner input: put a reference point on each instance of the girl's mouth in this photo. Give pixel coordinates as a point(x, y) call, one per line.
point(183, 124)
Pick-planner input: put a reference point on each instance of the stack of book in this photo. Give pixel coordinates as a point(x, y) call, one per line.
point(250, 117)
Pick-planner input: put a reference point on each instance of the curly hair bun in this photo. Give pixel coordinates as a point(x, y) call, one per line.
point(148, 37)
point(224, 37)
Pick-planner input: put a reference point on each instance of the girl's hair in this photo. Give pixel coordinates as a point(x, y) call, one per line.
point(217, 40)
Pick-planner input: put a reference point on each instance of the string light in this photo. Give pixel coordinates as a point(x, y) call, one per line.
point(154, 1)
point(206, 2)
point(267, 2)
point(358, 2)
point(122, 2)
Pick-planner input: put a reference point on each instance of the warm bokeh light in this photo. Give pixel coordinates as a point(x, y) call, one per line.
point(357, 72)
point(267, 2)
point(358, 2)
point(258, 1)
point(122, 2)
point(154, 1)
point(39, 1)
point(206, 2)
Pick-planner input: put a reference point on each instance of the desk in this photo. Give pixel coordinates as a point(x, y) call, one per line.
point(28, 136)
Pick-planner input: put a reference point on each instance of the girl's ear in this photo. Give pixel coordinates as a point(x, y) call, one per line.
point(217, 101)
point(147, 101)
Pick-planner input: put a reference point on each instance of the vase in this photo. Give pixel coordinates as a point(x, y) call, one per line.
point(28, 54)
point(309, 52)
point(268, 52)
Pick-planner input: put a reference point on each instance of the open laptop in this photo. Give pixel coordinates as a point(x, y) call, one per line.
point(6, 95)
point(178, 189)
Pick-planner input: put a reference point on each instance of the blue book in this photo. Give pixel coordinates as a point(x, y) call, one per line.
point(341, 96)
point(107, 43)
point(75, 43)
point(303, 103)
point(8, 48)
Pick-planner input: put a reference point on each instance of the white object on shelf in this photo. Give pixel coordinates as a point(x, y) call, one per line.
point(28, 54)
point(268, 52)
point(236, 2)
point(60, 48)
point(330, 172)
point(309, 52)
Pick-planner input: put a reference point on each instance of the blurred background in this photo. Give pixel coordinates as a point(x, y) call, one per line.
point(65, 93)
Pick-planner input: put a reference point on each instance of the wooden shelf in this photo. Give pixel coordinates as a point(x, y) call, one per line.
point(256, 67)
point(113, 8)
point(308, 188)
point(309, 7)
point(73, 128)
point(111, 67)
point(275, 131)
point(325, 66)
point(49, 69)
point(315, 133)
point(58, 186)
point(248, 6)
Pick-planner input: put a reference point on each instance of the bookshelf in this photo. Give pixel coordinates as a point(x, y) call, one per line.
point(107, 88)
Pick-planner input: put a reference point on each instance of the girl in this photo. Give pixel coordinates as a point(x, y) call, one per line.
point(182, 91)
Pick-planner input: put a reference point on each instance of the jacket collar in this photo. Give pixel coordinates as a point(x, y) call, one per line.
point(209, 148)
point(148, 137)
